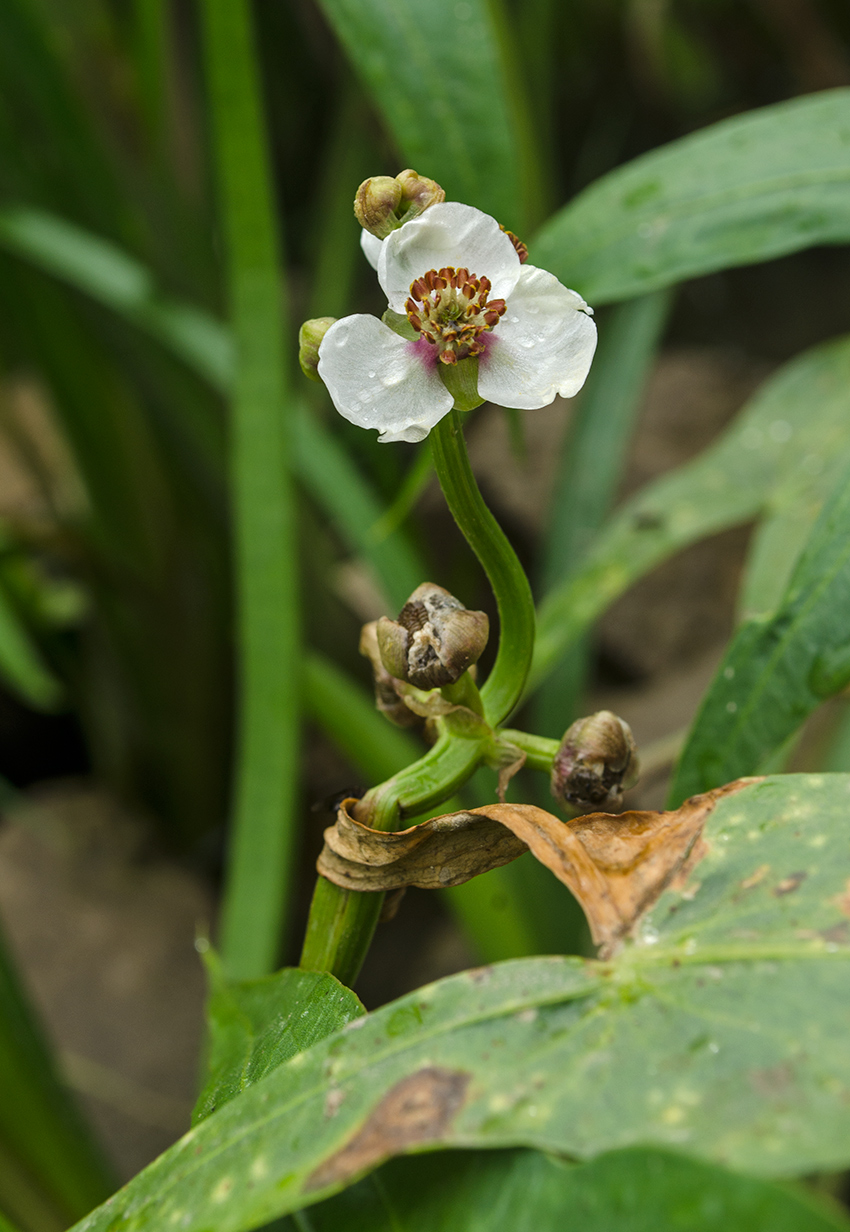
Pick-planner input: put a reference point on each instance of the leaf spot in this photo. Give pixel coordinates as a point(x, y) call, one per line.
point(222, 1189)
point(842, 901)
point(754, 879)
point(790, 883)
point(417, 1110)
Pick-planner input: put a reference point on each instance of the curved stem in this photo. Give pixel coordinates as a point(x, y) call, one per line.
point(342, 922)
point(506, 575)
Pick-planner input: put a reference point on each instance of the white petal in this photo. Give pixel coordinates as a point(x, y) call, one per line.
point(371, 246)
point(447, 234)
point(378, 380)
point(542, 346)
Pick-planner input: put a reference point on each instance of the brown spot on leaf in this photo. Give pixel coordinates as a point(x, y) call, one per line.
point(772, 1080)
point(839, 934)
point(789, 884)
point(753, 880)
point(417, 1110)
point(842, 901)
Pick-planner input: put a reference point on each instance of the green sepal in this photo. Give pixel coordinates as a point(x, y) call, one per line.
point(461, 380)
point(400, 325)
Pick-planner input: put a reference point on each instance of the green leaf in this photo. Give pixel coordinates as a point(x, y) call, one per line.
point(440, 78)
point(527, 1191)
point(777, 670)
point(256, 1025)
point(795, 424)
point(51, 1171)
point(747, 189)
point(116, 280)
point(260, 865)
point(21, 665)
point(720, 1030)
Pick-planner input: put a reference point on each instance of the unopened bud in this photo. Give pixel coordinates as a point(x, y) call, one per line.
point(386, 698)
point(310, 337)
point(376, 203)
point(434, 640)
point(417, 194)
point(597, 760)
point(384, 202)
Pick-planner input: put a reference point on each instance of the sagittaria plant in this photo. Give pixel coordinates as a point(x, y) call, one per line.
point(468, 320)
point(701, 1053)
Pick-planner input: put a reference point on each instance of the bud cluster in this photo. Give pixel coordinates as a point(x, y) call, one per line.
point(384, 202)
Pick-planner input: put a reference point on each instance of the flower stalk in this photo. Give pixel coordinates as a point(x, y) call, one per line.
point(342, 922)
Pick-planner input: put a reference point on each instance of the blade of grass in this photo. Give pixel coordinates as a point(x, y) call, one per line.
point(116, 280)
point(21, 665)
point(5, 1226)
point(263, 835)
point(592, 464)
point(463, 121)
point(49, 1164)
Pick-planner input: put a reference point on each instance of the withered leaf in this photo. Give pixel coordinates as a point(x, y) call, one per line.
point(616, 864)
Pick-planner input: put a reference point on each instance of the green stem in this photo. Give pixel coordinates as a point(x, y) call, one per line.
point(263, 823)
point(482, 532)
point(342, 922)
point(539, 750)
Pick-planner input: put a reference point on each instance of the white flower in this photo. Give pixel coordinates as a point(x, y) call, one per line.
point(458, 278)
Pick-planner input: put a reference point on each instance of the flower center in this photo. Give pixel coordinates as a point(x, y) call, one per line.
point(450, 308)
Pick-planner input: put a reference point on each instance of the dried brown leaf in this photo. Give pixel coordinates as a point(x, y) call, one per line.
point(616, 864)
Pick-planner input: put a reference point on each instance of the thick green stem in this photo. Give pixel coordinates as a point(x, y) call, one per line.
point(506, 576)
point(263, 822)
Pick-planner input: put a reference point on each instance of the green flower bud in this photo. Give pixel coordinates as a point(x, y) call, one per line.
point(376, 205)
point(384, 202)
point(596, 761)
point(417, 194)
point(310, 337)
point(434, 640)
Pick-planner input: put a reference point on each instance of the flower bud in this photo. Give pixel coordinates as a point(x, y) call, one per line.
point(386, 698)
point(384, 202)
point(434, 640)
point(417, 194)
point(310, 337)
point(596, 761)
point(376, 203)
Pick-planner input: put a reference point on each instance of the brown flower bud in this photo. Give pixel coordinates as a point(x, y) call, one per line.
point(376, 203)
point(434, 640)
point(386, 698)
point(310, 337)
point(417, 194)
point(596, 761)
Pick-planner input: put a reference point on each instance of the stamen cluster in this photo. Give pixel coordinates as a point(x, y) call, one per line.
point(449, 307)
